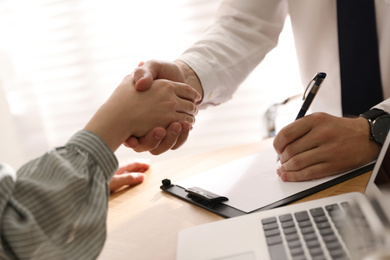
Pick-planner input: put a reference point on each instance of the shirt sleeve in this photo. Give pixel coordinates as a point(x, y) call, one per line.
point(244, 32)
point(55, 207)
point(384, 105)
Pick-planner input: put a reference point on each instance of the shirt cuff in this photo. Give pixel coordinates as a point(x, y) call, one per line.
point(200, 67)
point(97, 149)
point(384, 105)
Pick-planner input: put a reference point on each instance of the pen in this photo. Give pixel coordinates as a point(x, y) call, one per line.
point(315, 84)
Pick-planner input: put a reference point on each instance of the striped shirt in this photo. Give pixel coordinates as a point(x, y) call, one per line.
point(55, 206)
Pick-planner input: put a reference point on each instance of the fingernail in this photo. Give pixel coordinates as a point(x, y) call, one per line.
point(158, 135)
point(278, 171)
point(284, 177)
point(176, 129)
point(186, 128)
point(192, 120)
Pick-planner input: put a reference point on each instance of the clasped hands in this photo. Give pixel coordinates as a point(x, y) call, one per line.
point(312, 147)
point(160, 140)
point(157, 111)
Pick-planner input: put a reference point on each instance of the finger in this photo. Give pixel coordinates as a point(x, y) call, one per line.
point(290, 133)
point(298, 146)
point(143, 79)
point(125, 179)
point(304, 166)
point(131, 142)
point(156, 69)
point(173, 133)
point(181, 117)
point(187, 107)
point(186, 128)
point(312, 172)
point(306, 159)
point(186, 92)
point(145, 74)
point(148, 142)
point(133, 167)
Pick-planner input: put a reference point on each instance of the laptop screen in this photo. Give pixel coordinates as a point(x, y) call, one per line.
point(378, 187)
point(382, 179)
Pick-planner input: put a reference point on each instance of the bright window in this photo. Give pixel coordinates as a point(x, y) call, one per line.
point(61, 59)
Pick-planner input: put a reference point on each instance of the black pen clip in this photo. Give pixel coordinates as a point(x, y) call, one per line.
point(315, 82)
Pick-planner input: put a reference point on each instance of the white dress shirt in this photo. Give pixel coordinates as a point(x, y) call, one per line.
point(246, 30)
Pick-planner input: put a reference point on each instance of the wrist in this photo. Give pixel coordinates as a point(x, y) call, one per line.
point(379, 124)
point(364, 126)
point(190, 77)
point(109, 126)
point(365, 146)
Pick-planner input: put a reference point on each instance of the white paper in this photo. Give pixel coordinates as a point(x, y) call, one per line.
point(250, 183)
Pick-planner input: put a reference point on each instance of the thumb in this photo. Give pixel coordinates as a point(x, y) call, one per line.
point(144, 76)
point(156, 69)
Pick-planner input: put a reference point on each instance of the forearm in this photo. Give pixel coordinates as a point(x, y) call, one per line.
point(109, 127)
point(57, 206)
point(116, 119)
point(244, 32)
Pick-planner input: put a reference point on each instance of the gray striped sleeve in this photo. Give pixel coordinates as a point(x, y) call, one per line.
point(57, 206)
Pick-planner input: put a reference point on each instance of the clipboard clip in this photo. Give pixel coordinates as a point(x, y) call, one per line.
point(195, 195)
point(204, 197)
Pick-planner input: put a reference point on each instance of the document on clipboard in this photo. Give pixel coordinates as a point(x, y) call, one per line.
point(247, 185)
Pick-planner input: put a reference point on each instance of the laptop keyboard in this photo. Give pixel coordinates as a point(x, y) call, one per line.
point(318, 233)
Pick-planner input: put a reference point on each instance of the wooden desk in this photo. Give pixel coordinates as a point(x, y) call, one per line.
point(143, 222)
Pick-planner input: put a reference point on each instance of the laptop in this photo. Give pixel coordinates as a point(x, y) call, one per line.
point(346, 226)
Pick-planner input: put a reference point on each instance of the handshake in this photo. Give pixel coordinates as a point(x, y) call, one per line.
point(153, 109)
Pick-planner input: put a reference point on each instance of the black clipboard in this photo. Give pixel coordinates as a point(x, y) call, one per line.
point(214, 202)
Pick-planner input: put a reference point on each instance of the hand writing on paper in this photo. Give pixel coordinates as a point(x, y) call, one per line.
point(320, 145)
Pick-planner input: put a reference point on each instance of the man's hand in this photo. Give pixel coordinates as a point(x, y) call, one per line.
point(320, 145)
point(156, 69)
point(160, 140)
point(128, 175)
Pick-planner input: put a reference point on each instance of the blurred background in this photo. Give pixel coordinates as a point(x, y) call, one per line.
point(61, 59)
